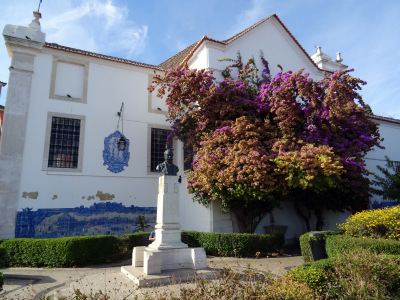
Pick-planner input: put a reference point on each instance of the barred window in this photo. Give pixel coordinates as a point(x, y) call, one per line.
point(158, 141)
point(64, 143)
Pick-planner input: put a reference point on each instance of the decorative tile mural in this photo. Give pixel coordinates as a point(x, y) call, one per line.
point(384, 204)
point(114, 158)
point(102, 218)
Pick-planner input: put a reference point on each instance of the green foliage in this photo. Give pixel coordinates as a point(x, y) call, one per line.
point(378, 223)
point(3, 258)
point(354, 274)
point(337, 245)
point(142, 222)
point(305, 243)
point(389, 183)
point(360, 274)
point(62, 252)
point(314, 277)
point(131, 240)
point(236, 244)
point(1, 281)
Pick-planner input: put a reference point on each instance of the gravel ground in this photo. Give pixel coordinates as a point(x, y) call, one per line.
point(33, 283)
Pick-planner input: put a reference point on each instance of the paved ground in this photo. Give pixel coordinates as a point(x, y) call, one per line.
point(33, 283)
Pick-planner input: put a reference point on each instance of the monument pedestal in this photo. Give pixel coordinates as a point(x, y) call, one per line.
point(167, 252)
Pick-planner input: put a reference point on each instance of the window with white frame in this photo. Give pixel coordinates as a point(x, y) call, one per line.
point(64, 142)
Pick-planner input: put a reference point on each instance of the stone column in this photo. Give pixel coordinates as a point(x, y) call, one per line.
point(23, 43)
point(168, 228)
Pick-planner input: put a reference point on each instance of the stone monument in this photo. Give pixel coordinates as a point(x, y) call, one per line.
point(167, 252)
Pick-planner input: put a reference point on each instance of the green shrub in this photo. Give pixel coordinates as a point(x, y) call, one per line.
point(378, 223)
point(3, 258)
point(131, 240)
point(355, 274)
point(62, 252)
point(361, 274)
point(336, 245)
point(235, 244)
point(314, 276)
point(305, 242)
point(1, 281)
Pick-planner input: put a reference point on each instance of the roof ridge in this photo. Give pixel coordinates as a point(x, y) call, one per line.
point(101, 56)
point(183, 56)
point(178, 55)
point(237, 35)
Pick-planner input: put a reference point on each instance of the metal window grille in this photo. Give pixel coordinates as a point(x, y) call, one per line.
point(64, 143)
point(158, 142)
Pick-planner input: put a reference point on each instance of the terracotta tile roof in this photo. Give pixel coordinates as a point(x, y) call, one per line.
point(182, 57)
point(101, 56)
point(177, 59)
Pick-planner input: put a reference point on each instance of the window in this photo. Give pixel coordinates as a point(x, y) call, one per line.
point(64, 142)
point(158, 141)
point(69, 80)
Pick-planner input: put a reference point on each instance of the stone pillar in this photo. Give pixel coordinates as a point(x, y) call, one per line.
point(167, 252)
point(168, 228)
point(23, 43)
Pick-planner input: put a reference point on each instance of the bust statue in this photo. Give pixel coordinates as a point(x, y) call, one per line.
point(167, 167)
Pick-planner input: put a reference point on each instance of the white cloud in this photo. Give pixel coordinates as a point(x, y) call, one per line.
point(99, 26)
point(258, 9)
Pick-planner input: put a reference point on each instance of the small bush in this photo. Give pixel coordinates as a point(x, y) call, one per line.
point(1, 281)
point(62, 252)
point(314, 276)
point(3, 258)
point(235, 244)
point(378, 223)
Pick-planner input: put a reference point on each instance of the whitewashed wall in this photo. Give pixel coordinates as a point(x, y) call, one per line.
point(390, 131)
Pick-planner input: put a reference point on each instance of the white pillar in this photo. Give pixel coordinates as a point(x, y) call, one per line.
point(168, 228)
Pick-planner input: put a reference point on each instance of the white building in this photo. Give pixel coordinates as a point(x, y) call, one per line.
point(61, 172)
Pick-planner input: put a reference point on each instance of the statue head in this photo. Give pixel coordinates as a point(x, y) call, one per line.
point(168, 155)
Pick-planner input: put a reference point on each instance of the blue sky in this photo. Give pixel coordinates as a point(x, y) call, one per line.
point(366, 32)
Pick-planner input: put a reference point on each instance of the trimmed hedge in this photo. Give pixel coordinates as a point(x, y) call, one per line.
point(234, 244)
point(131, 240)
point(62, 252)
point(86, 250)
point(335, 245)
point(3, 258)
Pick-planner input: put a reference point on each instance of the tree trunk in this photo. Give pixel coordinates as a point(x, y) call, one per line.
point(320, 220)
point(248, 220)
point(305, 217)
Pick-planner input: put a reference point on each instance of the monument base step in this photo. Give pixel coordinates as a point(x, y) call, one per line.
point(168, 277)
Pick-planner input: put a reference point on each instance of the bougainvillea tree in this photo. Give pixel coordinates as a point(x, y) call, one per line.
point(258, 141)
